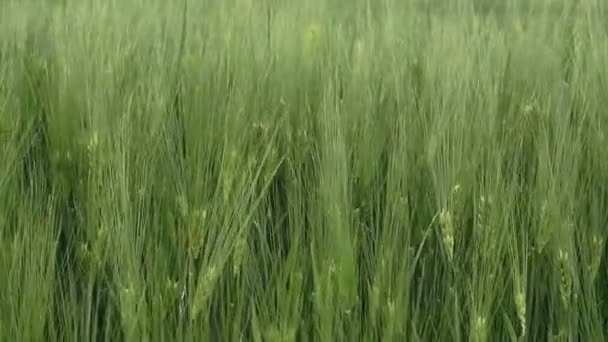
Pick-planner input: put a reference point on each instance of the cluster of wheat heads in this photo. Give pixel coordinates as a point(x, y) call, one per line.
point(303, 171)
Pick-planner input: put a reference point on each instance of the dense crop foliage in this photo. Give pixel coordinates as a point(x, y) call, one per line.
point(282, 170)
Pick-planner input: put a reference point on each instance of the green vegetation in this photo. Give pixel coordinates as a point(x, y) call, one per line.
point(364, 170)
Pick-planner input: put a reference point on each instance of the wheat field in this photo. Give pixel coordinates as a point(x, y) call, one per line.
point(282, 170)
